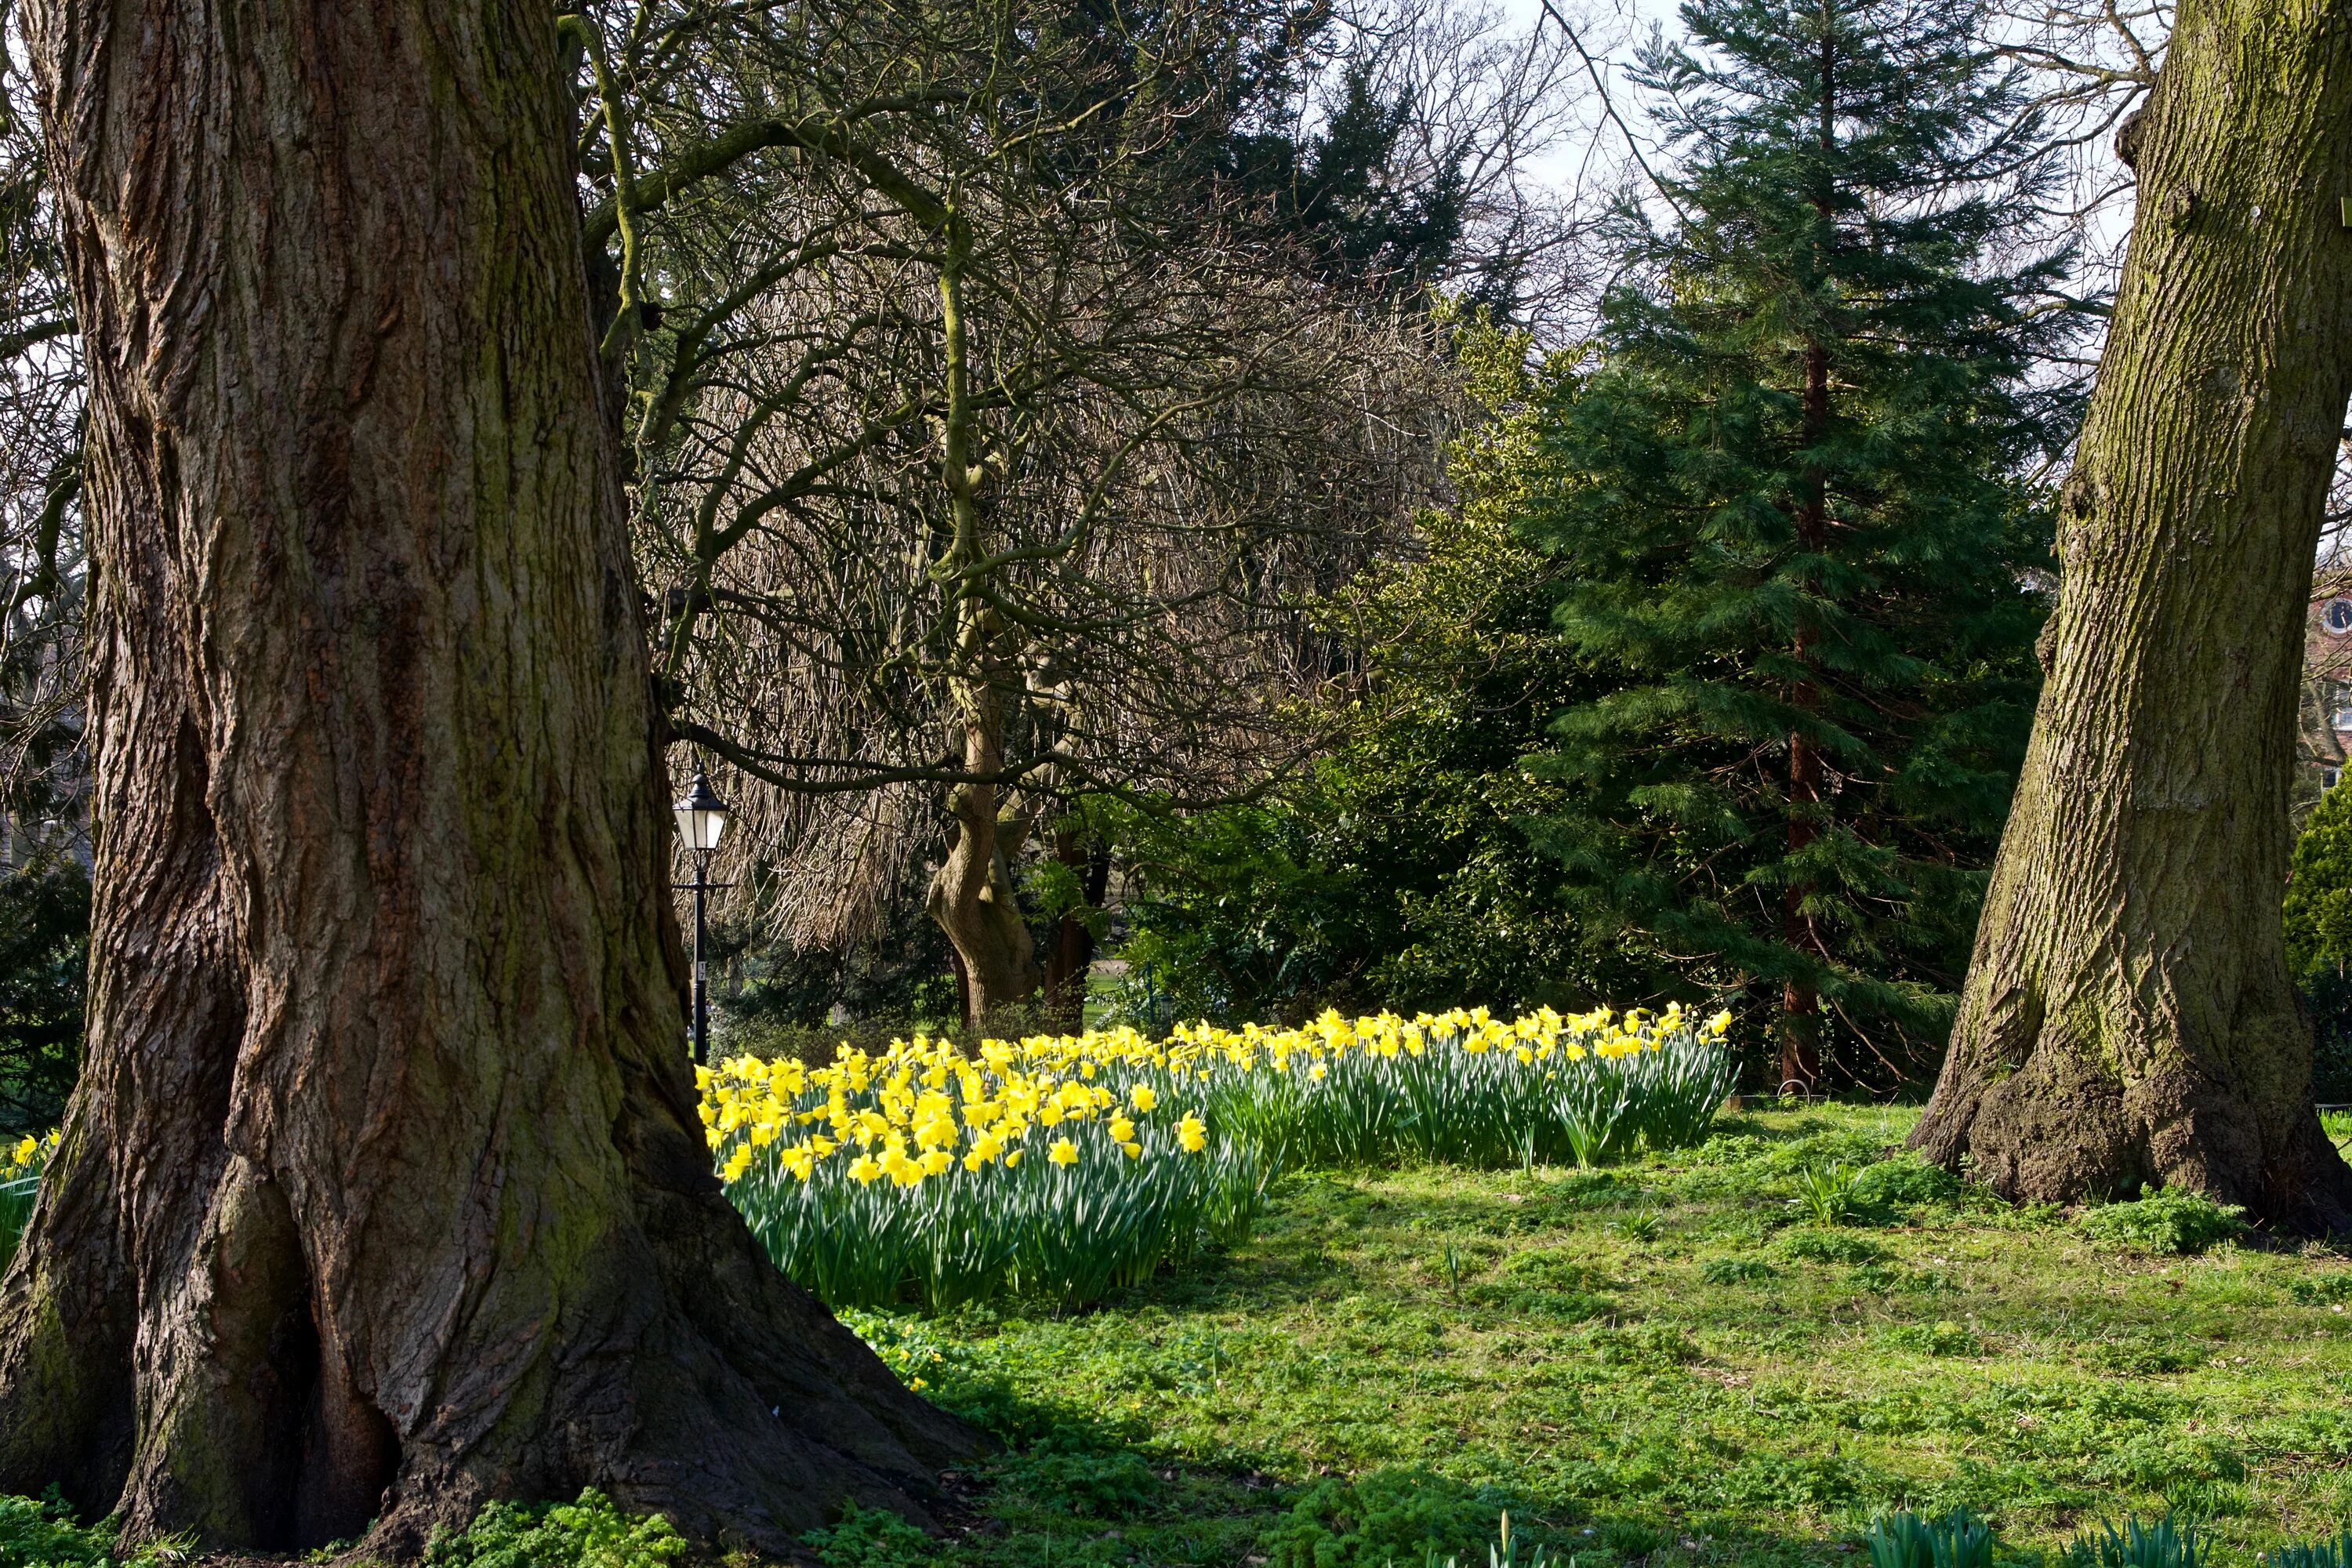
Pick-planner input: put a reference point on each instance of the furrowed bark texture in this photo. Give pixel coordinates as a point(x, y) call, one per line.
point(384, 1192)
point(2128, 1017)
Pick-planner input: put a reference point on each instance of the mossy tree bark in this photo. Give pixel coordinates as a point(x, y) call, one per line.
point(384, 1192)
point(974, 898)
point(2128, 1017)
point(971, 893)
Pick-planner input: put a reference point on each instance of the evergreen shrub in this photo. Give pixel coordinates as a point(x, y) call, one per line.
point(2317, 914)
point(1789, 542)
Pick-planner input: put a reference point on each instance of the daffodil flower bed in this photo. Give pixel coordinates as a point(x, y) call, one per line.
point(21, 1164)
point(1062, 1167)
point(1058, 1168)
point(1465, 1088)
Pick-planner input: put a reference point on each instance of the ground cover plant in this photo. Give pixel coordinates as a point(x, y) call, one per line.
point(1666, 1363)
point(2163, 1220)
point(41, 1532)
point(1065, 1167)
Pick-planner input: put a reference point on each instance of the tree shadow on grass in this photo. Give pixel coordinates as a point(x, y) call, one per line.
point(1071, 1489)
point(1079, 1480)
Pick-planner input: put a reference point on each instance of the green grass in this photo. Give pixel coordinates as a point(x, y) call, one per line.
point(1670, 1363)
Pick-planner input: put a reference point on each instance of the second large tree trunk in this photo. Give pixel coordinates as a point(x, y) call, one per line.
point(2128, 1017)
point(385, 1191)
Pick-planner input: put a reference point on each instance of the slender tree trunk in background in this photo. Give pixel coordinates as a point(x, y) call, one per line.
point(963, 982)
point(971, 894)
point(2128, 1017)
point(384, 1192)
point(1073, 941)
point(1801, 1005)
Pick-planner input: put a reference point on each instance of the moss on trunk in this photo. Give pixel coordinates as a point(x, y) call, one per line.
point(2128, 1017)
point(385, 1191)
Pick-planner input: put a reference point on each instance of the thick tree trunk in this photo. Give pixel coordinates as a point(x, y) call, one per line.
point(1073, 941)
point(384, 1192)
point(2128, 1017)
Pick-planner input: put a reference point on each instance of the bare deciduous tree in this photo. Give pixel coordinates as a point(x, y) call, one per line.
point(991, 447)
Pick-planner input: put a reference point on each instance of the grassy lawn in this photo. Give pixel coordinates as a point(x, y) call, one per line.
point(1667, 1363)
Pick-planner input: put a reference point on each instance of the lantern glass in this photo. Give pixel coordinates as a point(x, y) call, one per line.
point(702, 816)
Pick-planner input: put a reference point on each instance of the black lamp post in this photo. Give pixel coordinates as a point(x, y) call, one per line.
point(701, 818)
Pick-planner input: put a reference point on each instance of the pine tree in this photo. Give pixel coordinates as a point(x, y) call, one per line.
point(1785, 496)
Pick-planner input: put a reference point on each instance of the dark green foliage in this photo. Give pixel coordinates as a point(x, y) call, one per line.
point(1957, 1540)
point(1389, 1516)
point(1397, 874)
point(2322, 1289)
point(2328, 997)
point(41, 1533)
point(1350, 190)
point(1905, 1184)
point(1240, 914)
point(2318, 917)
point(589, 1533)
point(1070, 1476)
point(1781, 512)
point(2335, 1553)
point(2170, 1220)
point(43, 954)
point(1833, 1246)
point(1549, 1283)
point(2163, 1544)
point(777, 1004)
point(872, 1538)
point(1942, 1337)
point(2317, 909)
